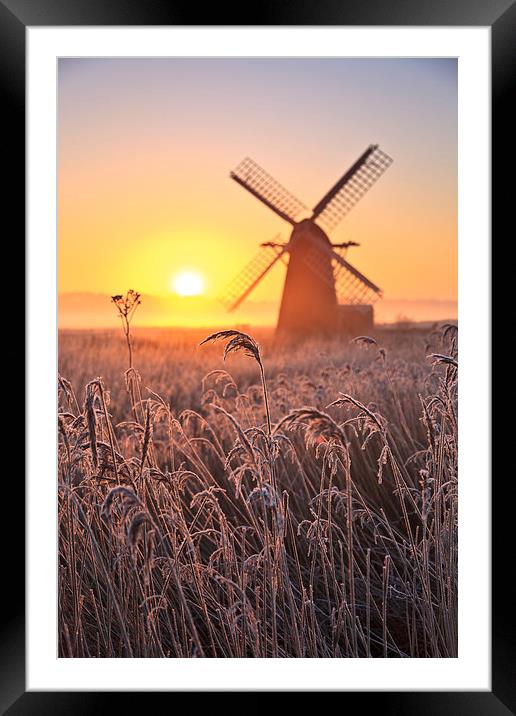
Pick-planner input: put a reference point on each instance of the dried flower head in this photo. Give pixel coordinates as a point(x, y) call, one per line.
point(238, 341)
point(438, 358)
point(366, 340)
point(318, 426)
point(127, 496)
point(127, 304)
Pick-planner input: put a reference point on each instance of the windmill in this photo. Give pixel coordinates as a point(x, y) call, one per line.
point(323, 292)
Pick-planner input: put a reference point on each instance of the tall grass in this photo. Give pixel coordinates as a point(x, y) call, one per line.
point(309, 514)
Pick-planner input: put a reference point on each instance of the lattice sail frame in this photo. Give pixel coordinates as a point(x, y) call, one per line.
point(351, 286)
point(264, 187)
point(252, 273)
point(354, 189)
point(350, 289)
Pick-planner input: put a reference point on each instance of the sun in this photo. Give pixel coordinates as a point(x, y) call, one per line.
point(188, 283)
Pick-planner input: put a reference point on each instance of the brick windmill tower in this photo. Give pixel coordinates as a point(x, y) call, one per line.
point(323, 292)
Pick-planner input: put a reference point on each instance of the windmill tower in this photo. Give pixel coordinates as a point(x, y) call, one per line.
point(323, 292)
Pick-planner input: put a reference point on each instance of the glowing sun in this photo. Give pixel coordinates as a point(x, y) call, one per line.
point(188, 283)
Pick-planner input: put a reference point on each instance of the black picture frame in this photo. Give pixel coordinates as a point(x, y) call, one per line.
point(15, 16)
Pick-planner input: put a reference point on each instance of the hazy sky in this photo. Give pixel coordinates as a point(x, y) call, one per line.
point(146, 146)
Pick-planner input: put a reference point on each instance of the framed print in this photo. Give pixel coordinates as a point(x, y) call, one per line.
point(258, 354)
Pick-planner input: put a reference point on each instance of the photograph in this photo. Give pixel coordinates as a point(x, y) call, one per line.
point(257, 387)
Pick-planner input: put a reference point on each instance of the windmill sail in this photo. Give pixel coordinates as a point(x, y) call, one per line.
point(251, 275)
point(351, 187)
point(351, 286)
point(341, 261)
point(264, 187)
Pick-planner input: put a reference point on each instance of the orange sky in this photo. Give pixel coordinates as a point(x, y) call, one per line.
point(146, 146)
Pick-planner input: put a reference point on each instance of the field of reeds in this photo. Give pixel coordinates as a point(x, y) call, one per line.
point(292, 501)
